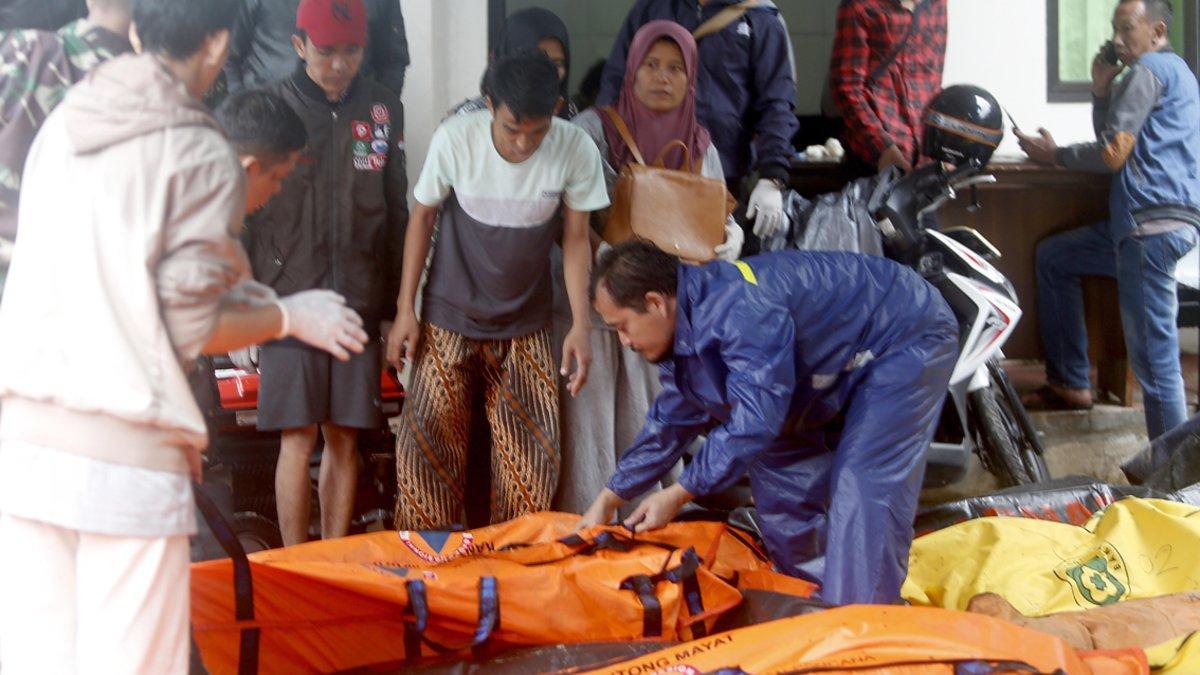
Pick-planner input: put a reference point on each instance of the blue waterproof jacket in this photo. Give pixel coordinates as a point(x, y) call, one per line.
point(771, 348)
point(746, 90)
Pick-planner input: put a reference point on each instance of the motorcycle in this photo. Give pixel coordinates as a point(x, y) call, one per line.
point(983, 413)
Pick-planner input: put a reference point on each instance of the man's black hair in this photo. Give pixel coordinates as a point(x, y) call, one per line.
point(632, 269)
point(526, 82)
point(1157, 10)
point(261, 124)
point(178, 28)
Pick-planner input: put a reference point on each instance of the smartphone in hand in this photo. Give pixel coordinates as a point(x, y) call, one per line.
point(1015, 127)
point(1109, 52)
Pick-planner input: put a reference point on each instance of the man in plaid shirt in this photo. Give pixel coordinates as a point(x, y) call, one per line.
point(887, 65)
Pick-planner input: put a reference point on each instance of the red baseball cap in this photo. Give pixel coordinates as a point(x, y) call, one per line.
point(333, 22)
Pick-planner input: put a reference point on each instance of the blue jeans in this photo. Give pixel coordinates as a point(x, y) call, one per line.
point(1144, 268)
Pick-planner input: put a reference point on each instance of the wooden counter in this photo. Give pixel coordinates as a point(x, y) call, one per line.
point(1027, 203)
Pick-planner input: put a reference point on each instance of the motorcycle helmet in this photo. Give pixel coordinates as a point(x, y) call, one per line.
point(963, 124)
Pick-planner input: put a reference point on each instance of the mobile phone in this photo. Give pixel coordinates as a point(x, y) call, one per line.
point(1011, 120)
point(1109, 52)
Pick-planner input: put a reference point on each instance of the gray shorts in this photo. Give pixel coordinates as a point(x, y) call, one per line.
point(300, 386)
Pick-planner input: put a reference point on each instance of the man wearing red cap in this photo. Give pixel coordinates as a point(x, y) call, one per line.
point(260, 50)
point(338, 224)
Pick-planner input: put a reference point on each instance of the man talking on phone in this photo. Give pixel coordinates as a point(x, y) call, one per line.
point(1148, 138)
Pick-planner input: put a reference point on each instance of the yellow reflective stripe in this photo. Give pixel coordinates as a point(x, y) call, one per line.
point(747, 272)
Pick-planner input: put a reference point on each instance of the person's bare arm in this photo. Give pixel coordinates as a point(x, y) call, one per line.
point(595, 239)
point(403, 337)
point(242, 326)
point(577, 267)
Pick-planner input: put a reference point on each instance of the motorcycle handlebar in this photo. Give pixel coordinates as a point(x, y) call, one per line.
point(982, 179)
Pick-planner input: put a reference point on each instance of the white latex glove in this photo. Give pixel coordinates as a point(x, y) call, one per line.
point(734, 238)
point(322, 319)
point(246, 358)
point(766, 209)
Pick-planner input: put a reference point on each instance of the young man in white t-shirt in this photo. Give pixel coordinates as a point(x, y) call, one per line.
point(507, 183)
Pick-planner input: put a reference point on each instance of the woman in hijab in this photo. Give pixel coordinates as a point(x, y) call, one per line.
point(658, 104)
point(527, 30)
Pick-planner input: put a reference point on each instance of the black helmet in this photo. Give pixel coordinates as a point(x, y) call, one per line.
point(963, 124)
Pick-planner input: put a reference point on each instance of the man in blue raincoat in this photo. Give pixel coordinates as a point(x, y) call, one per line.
point(821, 374)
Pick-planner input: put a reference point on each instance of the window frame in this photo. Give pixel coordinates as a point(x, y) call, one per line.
point(1060, 91)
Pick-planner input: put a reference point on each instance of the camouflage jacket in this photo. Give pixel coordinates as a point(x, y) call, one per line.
point(36, 69)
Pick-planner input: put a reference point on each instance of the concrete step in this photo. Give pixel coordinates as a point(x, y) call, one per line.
point(1088, 442)
point(1100, 419)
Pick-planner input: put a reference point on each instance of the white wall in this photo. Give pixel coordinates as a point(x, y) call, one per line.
point(1001, 45)
point(447, 45)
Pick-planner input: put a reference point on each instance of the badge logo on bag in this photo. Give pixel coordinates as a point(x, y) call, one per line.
point(361, 130)
point(423, 549)
point(379, 113)
point(380, 147)
point(1098, 578)
point(383, 131)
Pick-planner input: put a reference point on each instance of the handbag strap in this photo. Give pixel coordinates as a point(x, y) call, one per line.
point(687, 155)
point(627, 136)
point(623, 130)
point(723, 18)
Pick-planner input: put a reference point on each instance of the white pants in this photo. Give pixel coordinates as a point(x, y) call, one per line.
point(72, 602)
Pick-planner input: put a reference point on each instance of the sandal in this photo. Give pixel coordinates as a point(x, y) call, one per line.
point(1046, 398)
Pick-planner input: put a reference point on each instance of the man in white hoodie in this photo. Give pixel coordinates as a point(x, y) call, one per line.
point(127, 267)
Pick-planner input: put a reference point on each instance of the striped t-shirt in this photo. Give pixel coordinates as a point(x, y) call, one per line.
point(490, 277)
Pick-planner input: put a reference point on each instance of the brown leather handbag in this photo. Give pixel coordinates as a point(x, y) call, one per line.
point(681, 212)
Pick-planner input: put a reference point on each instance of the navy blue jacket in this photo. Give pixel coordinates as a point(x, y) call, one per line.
point(745, 93)
point(771, 348)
